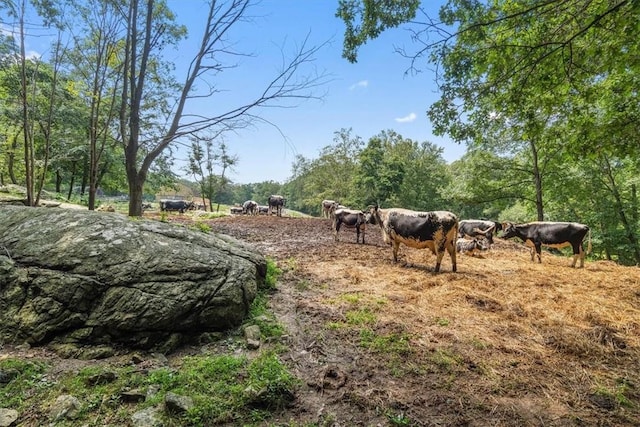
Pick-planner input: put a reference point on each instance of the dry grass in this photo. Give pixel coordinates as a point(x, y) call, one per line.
point(522, 339)
point(502, 342)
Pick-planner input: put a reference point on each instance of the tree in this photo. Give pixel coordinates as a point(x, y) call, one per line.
point(149, 27)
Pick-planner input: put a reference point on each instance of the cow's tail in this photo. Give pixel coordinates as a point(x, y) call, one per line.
point(589, 247)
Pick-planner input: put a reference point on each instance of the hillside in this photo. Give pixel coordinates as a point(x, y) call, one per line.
point(503, 341)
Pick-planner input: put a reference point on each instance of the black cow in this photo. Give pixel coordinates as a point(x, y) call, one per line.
point(276, 202)
point(478, 228)
point(263, 209)
point(551, 234)
point(235, 210)
point(350, 219)
point(469, 247)
point(434, 230)
point(250, 207)
point(176, 205)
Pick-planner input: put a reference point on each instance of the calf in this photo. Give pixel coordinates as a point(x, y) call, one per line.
point(469, 247)
point(350, 219)
point(263, 210)
point(551, 234)
point(328, 208)
point(434, 230)
point(477, 228)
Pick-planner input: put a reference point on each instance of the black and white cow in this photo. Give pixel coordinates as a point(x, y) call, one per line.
point(478, 228)
point(471, 246)
point(351, 219)
point(435, 230)
point(277, 202)
point(551, 234)
point(176, 205)
point(250, 208)
point(328, 208)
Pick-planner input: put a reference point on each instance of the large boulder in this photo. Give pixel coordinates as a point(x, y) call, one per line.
point(85, 277)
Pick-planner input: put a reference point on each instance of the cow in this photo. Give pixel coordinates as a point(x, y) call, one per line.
point(176, 205)
point(435, 230)
point(236, 210)
point(328, 208)
point(277, 202)
point(469, 247)
point(263, 210)
point(146, 206)
point(478, 228)
point(551, 234)
point(351, 219)
point(250, 207)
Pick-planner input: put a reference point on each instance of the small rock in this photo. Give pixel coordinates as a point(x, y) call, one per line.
point(133, 396)
point(177, 404)
point(8, 375)
point(252, 335)
point(101, 378)
point(152, 391)
point(65, 406)
point(149, 417)
point(8, 417)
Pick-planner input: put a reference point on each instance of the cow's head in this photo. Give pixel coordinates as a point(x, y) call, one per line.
point(508, 230)
point(487, 234)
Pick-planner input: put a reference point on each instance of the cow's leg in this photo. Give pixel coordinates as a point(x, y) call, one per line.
point(538, 252)
point(439, 255)
point(364, 228)
point(336, 229)
point(578, 252)
point(452, 254)
point(396, 245)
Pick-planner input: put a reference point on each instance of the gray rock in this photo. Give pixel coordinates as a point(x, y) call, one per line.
point(65, 407)
point(252, 335)
point(8, 417)
point(177, 404)
point(98, 278)
point(150, 417)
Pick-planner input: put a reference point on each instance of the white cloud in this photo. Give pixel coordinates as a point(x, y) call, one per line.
point(361, 83)
point(407, 119)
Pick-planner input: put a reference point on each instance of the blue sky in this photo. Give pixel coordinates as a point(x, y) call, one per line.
point(373, 95)
point(370, 96)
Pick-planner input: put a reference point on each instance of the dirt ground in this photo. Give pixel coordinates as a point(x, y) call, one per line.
point(502, 342)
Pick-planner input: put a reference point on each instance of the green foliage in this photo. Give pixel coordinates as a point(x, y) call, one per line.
point(366, 20)
point(224, 388)
point(273, 272)
point(26, 376)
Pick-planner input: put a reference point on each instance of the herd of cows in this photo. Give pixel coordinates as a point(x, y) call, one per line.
point(441, 231)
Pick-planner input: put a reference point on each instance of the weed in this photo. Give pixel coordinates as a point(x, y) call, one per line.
point(273, 273)
point(442, 322)
point(201, 226)
point(391, 344)
point(360, 317)
point(398, 419)
point(25, 376)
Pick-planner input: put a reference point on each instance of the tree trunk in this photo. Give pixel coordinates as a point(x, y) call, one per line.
point(58, 180)
point(73, 178)
point(537, 179)
point(136, 190)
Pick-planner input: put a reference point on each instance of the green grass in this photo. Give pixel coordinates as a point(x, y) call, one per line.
point(224, 389)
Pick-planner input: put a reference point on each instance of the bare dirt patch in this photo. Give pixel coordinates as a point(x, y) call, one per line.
point(503, 341)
